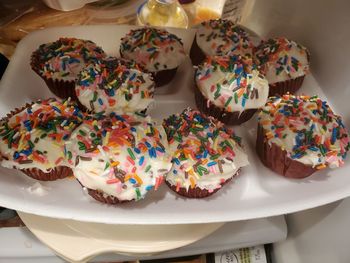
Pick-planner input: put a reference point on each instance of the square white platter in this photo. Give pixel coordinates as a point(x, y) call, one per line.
point(256, 193)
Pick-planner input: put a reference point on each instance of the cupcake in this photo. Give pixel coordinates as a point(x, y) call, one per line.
point(230, 88)
point(114, 85)
point(58, 63)
point(32, 138)
point(299, 135)
point(206, 155)
point(219, 38)
point(285, 64)
point(118, 158)
point(157, 50)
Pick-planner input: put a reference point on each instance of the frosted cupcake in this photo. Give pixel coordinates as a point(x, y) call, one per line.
point(230, 88)
point(219, 38)
point(58, 63)
point(118, 158)
point(157, 50)
point(114, 85)
point(285, 64)
point(32, 138)
point(206, 155)
point(299, 135)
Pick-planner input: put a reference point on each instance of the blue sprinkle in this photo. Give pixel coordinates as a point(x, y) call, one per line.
point(334, 135)
point(132, 180)
point(16, 155)
point(211, 164)
point(100, 101)
point(133, 129)
point(148, 145)
point(160, 150)
point(198, 156)
point(205, 154)
point(149, 187)
point(56, 109)
point(176, 161)
point(133, 76)
point(137, 150)
point(243, 101)
point(174, 171)
point(141, 160)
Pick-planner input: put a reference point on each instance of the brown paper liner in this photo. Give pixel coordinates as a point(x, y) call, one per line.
point(61, 88)
point(198, 192)
point(197, 56)
point(230, 118)
point(277, 160)
point(58, 172)
point(103, 198)
point(281, 88)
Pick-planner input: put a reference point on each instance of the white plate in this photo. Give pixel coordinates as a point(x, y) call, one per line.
point(258, 192)
point(80, 241)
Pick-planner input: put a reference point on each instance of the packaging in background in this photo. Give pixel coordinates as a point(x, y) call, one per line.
point(256, 254)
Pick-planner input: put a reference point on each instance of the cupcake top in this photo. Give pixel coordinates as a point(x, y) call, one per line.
point(114, 85)
point(34, 136)
point(155, 49)
point(307, 129)
point(231, 82)
point(205, 153)
point(65, 58)
point(120, 155)
point(282, 59)
point(221, 37)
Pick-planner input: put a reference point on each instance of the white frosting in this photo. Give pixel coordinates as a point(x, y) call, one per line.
point(98, 171)
point(282, 59)
point(221, 37)
point(99, 93)
point(308, 120)
point(154, 49)
point(50, 147)
point(208, 175)
point(225, 87)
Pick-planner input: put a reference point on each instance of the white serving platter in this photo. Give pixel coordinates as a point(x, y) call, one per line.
point(257, 192)
point(78, 241)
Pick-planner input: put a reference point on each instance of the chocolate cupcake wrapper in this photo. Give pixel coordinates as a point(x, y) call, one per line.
point(230, 118)
point(163, 77)
point(273, 157)
point(58, 172)
point(61, 88)
point(198, 192)
point(107, 199)
point(291, 86)
point(197, 56)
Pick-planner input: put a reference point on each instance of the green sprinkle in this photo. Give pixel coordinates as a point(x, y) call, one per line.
point(131, 154)
point(31, 144)
point(148, 168)
point(106, 167)
point(236, 97)
point(228, 101)
point(138, 194)
point(42, 136)
point(82, 133)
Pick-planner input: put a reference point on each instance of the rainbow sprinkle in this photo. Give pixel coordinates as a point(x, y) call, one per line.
point(226, 37)
point(151, 44)
point(276, 52)
point(241, 81)
point(318, 134)
point(113, 76)
point(48, 119)
point(60, 58)
point(202, 147)
point(127, 146)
